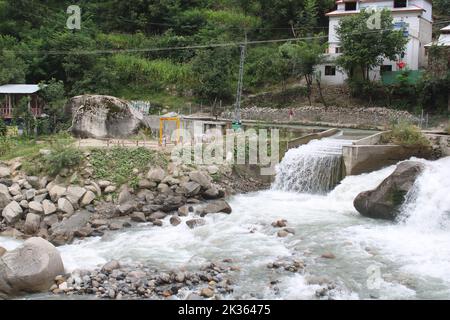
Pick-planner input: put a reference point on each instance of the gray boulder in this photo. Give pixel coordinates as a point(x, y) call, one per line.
point(385, 201)
point(30, 268)
point(97, 116)
point(32, 223)
point(5, 197)
point(12, 212)
point(201, 178)
point(156, 175)
point(190, 188)
point(63, 232)
point(4, 172)
point(217, 206)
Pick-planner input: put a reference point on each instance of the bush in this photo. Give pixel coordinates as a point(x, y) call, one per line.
point(61, 157)
point(3, 128)
point(5, 145)
point(405, 134)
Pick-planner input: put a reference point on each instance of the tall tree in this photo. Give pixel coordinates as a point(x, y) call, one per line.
point(365, 45)
point(305, 56)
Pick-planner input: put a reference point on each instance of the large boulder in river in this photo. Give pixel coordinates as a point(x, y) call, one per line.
point(64, 232)
point(30, 268)
point(97, 116)
point(385, 201)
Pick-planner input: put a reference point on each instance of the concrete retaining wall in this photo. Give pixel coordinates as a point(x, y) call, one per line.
point(366, 158)
point(309, 137)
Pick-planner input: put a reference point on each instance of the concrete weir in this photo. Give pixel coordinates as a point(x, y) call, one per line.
point(366, 155)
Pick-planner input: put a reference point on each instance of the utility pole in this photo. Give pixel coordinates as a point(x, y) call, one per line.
point(237, 115)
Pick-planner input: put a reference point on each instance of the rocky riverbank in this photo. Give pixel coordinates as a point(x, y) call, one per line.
point(60, 210)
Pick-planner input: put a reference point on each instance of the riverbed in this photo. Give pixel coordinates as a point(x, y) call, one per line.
point(374, 259)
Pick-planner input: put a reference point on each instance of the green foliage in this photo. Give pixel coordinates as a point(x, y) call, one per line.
point(3, 128)
point(406, 134)
point(364, 48)
point(117, 164)
point(61, 157)
point(214, 74)
point(304, 56)
point(12, 66)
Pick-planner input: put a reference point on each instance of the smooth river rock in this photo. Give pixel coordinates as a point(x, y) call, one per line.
point(385, 201)
point(30, 268)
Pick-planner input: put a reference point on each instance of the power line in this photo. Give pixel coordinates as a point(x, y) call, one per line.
point(202, 46)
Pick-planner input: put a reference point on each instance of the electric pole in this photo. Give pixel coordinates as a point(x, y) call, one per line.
point(237, 115)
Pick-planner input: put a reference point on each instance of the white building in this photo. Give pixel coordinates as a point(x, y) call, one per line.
point(413, 15)
point(444, 38)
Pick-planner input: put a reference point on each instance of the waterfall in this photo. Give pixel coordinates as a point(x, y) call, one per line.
point(312, 168)
point(427, 207)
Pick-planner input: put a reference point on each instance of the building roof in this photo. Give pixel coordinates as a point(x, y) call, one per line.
point(444, 39)
point(394, 10)
point(19, 88)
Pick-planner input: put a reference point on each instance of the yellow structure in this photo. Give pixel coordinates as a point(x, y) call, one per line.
point(161, 127)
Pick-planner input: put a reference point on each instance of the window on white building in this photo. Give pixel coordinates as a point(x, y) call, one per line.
point(400, 3)
point(330, 70)
point(350, 6)
point(338, 50)
point(385, 68)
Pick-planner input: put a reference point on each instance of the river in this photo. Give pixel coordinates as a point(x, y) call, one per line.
point(374, 259)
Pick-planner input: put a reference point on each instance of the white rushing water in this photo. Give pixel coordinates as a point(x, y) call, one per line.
point(412, 256)
point(313, 168)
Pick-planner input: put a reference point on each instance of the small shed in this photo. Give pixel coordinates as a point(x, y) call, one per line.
point(11, 94)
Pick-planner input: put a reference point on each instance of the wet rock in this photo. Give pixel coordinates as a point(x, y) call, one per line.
point(289, 230)
point(157, 215)
point(110, 266)
point(175, 220)
point(207, 293)
point(201, 178)
point(64, 231)
point(116, 225)
point(193, 223)
point(183, 211)
point(157, 223)
point(385, 201)
point(138, 217)
point(190, 189)
point(328, 255)
point(12, 212)
point(32, 223)
point(218, 206)
point(282, 234)
point(212, 193)
point(279, 223)
point(30, 268)
point(2, 251)
point(126, 208)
